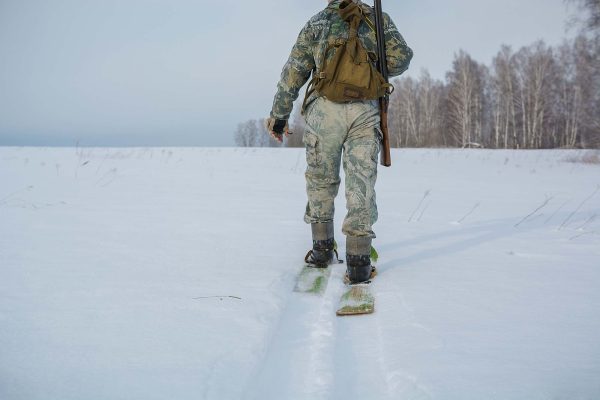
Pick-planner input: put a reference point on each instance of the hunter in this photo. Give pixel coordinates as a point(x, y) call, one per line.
point(342, 117)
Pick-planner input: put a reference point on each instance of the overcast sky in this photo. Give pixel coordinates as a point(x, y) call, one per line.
point(185, 72)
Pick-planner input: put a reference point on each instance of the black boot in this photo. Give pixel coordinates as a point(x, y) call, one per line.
point(358, 259)
point(323, 251)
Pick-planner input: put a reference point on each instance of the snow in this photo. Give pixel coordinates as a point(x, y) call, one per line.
point(148, 273)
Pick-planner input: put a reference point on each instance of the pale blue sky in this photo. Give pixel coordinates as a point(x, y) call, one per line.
point(184, 72)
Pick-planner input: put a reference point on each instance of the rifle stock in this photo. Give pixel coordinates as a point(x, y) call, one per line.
point(386, 157)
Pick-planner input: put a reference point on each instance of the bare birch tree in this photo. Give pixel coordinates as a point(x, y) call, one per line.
point(416, 115)
point(591, 21)
point(395, 115)
point(253, 133)
point(535, 71)
point(503, 82)
point(430, 97)
point(246, 134)
point(465, 100)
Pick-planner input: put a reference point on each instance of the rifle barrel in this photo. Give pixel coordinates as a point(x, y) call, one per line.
point(386, 158)
point(382, 58)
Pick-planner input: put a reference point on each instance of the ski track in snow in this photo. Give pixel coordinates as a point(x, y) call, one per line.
point(400, 382)
point(298, 357)
point(361, 351)
point(321, 356)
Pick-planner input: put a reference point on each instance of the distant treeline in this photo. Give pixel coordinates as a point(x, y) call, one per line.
point(533, 98)
point(537, 97)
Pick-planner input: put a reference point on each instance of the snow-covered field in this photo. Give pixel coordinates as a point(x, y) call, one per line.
point(168, 274)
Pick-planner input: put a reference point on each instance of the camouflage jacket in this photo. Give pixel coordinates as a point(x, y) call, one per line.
point(308, 52)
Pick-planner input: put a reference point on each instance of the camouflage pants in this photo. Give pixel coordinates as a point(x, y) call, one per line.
point(349, 131)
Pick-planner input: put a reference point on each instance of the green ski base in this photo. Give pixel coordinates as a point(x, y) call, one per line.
point(312, 280)
point(357, 300)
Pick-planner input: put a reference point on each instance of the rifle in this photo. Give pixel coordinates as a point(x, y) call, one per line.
point(384, 102)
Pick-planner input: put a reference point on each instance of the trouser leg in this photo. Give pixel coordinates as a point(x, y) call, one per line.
point(324, 137)
point(361, 150)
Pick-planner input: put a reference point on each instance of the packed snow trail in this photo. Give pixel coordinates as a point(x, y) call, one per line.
point(149, 273)
point(299, 359)
point(314, 354)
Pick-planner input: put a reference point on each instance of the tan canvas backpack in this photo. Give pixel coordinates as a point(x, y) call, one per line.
point(350, 75)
